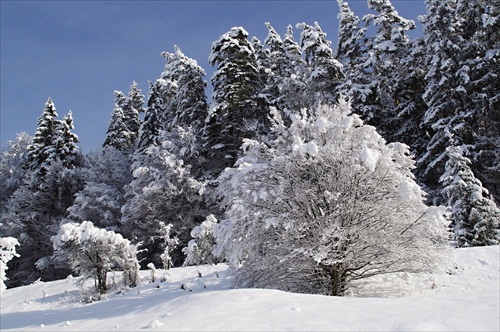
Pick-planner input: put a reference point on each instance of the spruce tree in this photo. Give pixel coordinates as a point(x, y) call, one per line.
point(236, 84)
point(475, 216)
point(479, 26)
point(321, 73)
point(386, 50)
point(152, 126)
point(446, 118)
point(42, 149)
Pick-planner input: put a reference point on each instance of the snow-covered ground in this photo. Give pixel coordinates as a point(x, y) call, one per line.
point(468, 299)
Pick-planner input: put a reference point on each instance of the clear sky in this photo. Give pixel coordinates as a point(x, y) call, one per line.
point(79, 52)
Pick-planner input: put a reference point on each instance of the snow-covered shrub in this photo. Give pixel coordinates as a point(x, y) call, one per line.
point(325, 204)
point(199, 249)
point(7, 252)
point(93, 252)
point(170, 243)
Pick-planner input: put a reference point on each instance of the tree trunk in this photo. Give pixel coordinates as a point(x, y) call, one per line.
point(337, 276)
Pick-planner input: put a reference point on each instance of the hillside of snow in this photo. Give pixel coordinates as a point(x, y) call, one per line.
point(467, 299)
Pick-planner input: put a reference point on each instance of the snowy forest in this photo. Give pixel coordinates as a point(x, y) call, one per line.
point(312, 167)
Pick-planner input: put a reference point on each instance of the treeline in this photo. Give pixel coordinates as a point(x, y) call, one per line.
point(296, 174)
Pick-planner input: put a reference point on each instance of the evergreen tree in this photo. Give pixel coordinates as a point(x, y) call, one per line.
point(236, 83)
point(386, 50)
point(118, 134)
point(321, 73)
point(152, 124)
point(67, 143)
point(479, 26)
point(446, 118)
point(35, 209)
point(475, 217)
point(134, 108)
point(42, 150)
point(190, 105)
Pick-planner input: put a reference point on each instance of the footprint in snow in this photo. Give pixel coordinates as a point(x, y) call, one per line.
point(484, 262)
point(155, 323)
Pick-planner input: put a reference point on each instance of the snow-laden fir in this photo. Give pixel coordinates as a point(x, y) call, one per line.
point(461, 298)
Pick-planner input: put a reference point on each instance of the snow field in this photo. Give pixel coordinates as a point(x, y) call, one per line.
point(466, 300)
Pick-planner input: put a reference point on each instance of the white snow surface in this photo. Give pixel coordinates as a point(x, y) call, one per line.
point(467, 299)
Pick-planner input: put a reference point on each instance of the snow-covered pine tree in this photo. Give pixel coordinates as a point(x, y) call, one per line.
point(118, 134)
point(386, 50)
point(326, 204)
point(236, 84)
point(410, 107)
point(321, 72)
point(292, 83)
point(93, 252)
point(446, 119)
point(67, 143)
point(475, 217)
point(42, 149)
point(479, 29)
point(190, 100)
point(35, 209)
point(133, 110)
point(352, 53)
point(152, 125)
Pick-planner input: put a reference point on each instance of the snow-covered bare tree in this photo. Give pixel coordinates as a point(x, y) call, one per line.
point(93, 252)
point(324, 205)
point(106, 173)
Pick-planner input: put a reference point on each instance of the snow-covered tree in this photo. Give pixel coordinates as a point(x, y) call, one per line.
point(119, 135)
point(13, 162)
point(106, 173)
point(236, 84)
point(35, 209)
point(92, 252)
point(385, 52)
point(190, 105)
point(321, 72)
point(475, 217)
point(66, 144)
point(169, 245)
point(42, 150)
point(152, 124)
point(446, 118)
point(200, 248)
point(479, 30)
point(324, 205)
point(162, 191)
point(7, 252)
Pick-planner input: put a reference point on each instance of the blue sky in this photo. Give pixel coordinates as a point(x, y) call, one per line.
point(79, 52)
